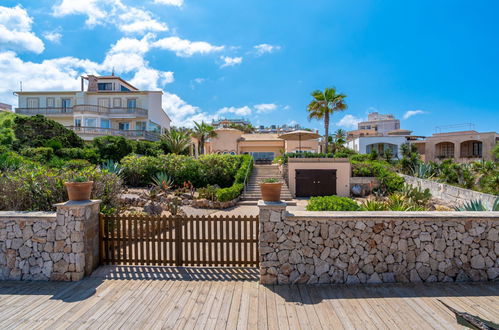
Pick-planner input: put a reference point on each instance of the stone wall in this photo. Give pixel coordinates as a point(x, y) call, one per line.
point(61, 246)
point(376, 247)
point(450, 194)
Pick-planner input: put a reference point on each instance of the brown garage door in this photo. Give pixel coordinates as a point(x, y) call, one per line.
point(315, 183)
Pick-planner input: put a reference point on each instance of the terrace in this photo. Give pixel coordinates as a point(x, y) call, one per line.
point(113, 112)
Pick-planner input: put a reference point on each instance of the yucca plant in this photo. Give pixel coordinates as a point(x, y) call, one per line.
point(162, 181)
point(112, 167)
point(374, 205)
point(477, 205)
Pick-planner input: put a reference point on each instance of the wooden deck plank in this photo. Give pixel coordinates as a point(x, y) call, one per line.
point(327, 316)
point(282, 318)
point(262, 311)
point(232, 318)
point(220, 319)
point(272, 321)
point(196, 311)
point(165, 305)
point(307, 306)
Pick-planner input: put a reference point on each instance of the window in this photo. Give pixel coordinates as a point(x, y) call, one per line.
point(105, 86)
point(477, 149)
point(140, 126)
point(65, 104)
point(124, 89)
point(33, 102)
point(131, 103)
point(50, 102)
point(117, 102)
point(90, 122)
point(105, 123)
point(77, 122)
point(124, 126)
point(104, 103)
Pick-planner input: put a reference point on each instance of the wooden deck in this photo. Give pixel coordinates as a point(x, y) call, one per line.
point(149, 297)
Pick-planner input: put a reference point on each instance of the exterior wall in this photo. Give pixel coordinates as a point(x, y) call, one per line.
point(62, 246)
point(225, 141)
point(342, 167)
point(156, 112)
point(376, 247)
point(450, 194)
point(306, 145)
point(42, 98)
point(488, 140)
point(261, 146)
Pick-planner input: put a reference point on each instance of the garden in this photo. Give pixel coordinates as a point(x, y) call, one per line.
point(38, 156)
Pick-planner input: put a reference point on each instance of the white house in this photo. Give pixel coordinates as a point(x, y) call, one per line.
point(109, 106)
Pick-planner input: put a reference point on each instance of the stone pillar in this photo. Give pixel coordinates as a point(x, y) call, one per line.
point(78, 230)
point(272, 215)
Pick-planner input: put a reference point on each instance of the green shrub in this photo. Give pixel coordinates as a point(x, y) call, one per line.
point(209, 192)
point(146, 148)
point(246, 167)
point(183, 168)
point(228, 194)
point(360, 158)
point(39, 154)
point(10, 160)
point(76, 164)
point(112, 147)
point(218, 169)
point(362, 169)
point(138, 171)
point(37, 130)
point(90, 154)
point(332, 203)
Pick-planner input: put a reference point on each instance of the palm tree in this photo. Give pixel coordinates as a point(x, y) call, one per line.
point(202, 132)
point(176, 141)
point(326, 103)
point(340, 137)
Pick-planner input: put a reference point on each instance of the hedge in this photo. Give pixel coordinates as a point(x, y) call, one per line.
point(332, 203)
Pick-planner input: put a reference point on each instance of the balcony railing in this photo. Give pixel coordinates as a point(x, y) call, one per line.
point(97, 109)
point(130, 134)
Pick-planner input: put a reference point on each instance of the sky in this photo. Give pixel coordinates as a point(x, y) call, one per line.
point(429, 63)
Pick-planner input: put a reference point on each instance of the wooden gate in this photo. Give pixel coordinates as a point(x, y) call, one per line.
point(179, 241)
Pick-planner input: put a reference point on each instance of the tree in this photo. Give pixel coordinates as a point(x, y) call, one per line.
point(176, 141)
point(202, 132)
point(112, 147)
point(248, 128)
point(324, 104)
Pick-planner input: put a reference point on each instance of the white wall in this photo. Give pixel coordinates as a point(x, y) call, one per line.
point(360, 144)
point(156, 112)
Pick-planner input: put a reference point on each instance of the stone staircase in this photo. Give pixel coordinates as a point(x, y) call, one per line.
point(259, 173)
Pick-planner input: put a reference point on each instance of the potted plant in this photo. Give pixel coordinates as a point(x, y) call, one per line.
point(271, 189)
point(79, 189)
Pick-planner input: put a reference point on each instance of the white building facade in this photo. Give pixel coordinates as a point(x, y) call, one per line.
point(365, 144)
point(109, 106)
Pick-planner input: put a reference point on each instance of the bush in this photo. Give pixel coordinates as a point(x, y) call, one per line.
point(76, 164)
point(89, 154)
point(218, 169)
point(228, 194)
point(138, 171)
point(362, 169)
point(146, 148)
point(332, 203)
point(10, 160)
point(37, 130)
point(388, 178)
point(208, 192)
point(39, 154)
point(112, 147)
point(246, 167)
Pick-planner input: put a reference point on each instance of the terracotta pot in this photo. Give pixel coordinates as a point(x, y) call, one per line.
point(271, 192)
point(79, 191)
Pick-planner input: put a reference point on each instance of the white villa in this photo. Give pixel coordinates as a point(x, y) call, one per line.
point(379, 133)
point(109, 106)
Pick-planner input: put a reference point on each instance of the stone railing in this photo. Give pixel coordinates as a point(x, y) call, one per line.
point(450, 194)
point(61, 246)
point(376, 247)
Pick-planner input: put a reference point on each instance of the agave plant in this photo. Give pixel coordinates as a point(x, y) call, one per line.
point(112, 167)
point(162, 181)
point(374, 205)
point(477, 205)
point(424, 171)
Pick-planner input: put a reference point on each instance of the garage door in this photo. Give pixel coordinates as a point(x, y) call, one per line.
point(315, 183)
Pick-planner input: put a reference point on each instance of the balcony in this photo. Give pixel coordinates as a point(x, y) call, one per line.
point(88, 133)
point(83, 108)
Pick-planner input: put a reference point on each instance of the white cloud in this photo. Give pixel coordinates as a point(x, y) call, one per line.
point(265, 107)
point(265, 48)
point(127, 18)
point(53, 36)
point(182, 113)
point(15, 30)
point(199, 80)
point(186, 48)
point(349, 121)
point(411, 113)
point(242, 111)
point(230, 61)
point(177, 3)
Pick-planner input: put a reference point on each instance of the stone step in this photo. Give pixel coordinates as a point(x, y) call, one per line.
point(255, 202)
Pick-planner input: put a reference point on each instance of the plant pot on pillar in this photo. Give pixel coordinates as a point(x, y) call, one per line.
point(271, 190)
point(79, 189)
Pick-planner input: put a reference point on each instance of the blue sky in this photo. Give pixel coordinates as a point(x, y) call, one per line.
point(261, 59)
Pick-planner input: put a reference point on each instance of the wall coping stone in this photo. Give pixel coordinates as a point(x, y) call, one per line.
point(318, 160)
point(75, 204)
point(390, 215)
point(271, 205)
point(7, 215)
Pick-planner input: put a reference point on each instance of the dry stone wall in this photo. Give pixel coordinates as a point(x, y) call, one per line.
point(372, 248)
point(451, 194)
point(61, 246)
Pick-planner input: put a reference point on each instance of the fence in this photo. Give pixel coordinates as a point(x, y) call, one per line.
point(179, 241)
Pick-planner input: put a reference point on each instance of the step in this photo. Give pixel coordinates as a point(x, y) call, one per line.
point(258, 198)
point(255, 202)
